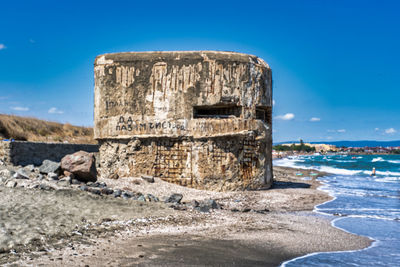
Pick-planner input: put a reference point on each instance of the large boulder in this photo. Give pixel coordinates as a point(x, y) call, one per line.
point(82, 164)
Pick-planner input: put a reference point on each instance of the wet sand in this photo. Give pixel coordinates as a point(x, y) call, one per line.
point(254, 228)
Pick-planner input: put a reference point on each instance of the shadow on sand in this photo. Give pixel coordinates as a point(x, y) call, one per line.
point(284, 185)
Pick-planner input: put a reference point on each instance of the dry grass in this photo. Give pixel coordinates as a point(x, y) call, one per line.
point(32, 129)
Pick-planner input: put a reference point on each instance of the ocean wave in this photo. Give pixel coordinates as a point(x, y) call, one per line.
point(394, 161)
point(378, 159)
point(389, 179)
point(292, 164)
point(383, 173)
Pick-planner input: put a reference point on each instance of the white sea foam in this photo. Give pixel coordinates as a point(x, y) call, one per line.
point(394, 161)
point(386, 173)
point(378, 159)
point(286, 162)
point(389, 179)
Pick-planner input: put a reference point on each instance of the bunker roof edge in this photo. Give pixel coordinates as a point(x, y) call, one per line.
point(110, 58)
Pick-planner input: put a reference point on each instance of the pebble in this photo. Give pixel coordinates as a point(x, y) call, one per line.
point(20, 174)
point(174, 198)
point(117, 193)
point(52, 176)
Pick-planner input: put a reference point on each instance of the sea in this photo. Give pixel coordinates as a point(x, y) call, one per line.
point(363, 204)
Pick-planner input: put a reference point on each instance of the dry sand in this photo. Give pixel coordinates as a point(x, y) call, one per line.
point(157, 235)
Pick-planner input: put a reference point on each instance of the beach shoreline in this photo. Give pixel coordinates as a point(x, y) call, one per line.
point(260, 228)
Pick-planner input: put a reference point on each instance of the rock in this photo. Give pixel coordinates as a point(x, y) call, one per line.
point(82, 164)
point(40, 177)
point(114, 176)
point(6, 173)
point(117, 193)
point(148, 178)
point(152, 198)
point(195, 203)
point(174, 198)
point(52, 176)
point(83, 188)
point(11, 184)
point(127, 194)
point(207, 205)
point(212, 204)
point(69, 174)
point(74, 181)
point(203, 208)
point(94, 190)
point(246, 210)
point(30, 168)
point(45, 187)
point(142, 198)
point(106, 191)
point(49, 166)
point(20, 174)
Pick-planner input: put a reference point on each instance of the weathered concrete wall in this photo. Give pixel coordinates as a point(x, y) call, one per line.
point(25, 153)
point(201, 119)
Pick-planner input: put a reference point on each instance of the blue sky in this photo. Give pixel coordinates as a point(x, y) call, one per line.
point(335, 61)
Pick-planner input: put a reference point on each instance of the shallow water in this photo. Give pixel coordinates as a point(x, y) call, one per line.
point(28, 215)
point(368, 206)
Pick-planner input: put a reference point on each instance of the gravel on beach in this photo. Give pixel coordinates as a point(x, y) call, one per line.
point(78, 228)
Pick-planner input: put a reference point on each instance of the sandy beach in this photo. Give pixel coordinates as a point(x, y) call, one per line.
point(252, 228)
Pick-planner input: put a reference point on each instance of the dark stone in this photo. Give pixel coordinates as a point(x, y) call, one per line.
point(74, 181)
point(127, 194)
point(148, 178)
point(141, 198)
point(152, 198)
point(106, 191)
point(94, 190)
point(207, 205)
point(195, 203)
point(203, 208)
point(174, 198)
point(45, 187)
point(261, 211)
point(83, 188)
point(235, 210)
point(246, 210)
point(49, 166)
point(52, 176)
point(117, 193)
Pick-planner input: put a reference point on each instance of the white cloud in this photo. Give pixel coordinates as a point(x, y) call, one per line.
point(20, 108)
point(54, 110)
point(286, 117)
point(273, 102)
point(376, 129)
point(337, 131)
point(2, 46)
point(390, 131)
point(315, 119)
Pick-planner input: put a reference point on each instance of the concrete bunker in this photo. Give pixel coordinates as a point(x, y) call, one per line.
point(200, 119)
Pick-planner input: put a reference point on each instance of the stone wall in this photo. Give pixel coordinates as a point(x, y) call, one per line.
point(25, 153)
point(199, 119)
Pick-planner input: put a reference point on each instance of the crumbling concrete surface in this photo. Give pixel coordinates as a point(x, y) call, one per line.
point(200, 119)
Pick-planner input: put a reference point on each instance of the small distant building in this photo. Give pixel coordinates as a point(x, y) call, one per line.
point(318, 147)
point(200, 119)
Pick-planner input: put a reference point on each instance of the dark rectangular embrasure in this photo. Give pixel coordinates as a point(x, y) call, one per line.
point(218, 112)
point(264, 114)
